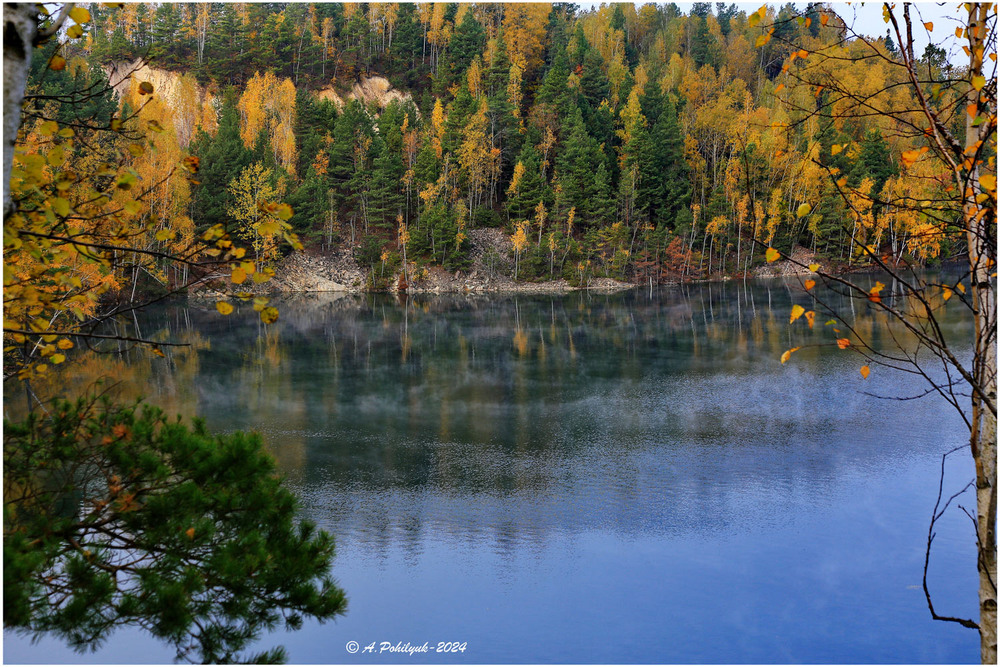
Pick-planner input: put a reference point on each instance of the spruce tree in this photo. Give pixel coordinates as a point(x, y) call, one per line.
point(220, 157)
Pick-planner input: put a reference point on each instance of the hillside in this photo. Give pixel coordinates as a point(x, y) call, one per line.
point(634, 143)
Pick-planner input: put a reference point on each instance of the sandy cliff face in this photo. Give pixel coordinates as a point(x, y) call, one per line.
point(191, 103)
point(376, 90)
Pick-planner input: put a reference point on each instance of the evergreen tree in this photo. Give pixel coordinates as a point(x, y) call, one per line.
point(875, 162)
point(187, 535)
point(225, 55)
point(164, 35)
point(387, 168)
point(503, 124)
point(530, 188)
point(466, 43)
point(576, 163)
point(221, 157)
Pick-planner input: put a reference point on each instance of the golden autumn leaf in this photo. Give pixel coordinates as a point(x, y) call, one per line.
point(57, 358)
point(909, 157)
point(865, 371)
point(74, 32)
point(269, 315)
point(166, 235)
point(835, 149)
point(843, 343)
point(57, 63)
point(771, 255)
point(960, 287)
point(929, 25)
point(803, 210)
point(268, 228)
point(797, 312)
point(814, 267)
point(978, 82)
point(988, 182)
point(810, 316)
point(946, 293)
point(224, 308)
point(810, 284)
point(823, 19)
point(158, 352)
point(64, 344)
point(80, 15)
point(873, 293)
point(786, 355)
point(190, 533)
point(239, 275)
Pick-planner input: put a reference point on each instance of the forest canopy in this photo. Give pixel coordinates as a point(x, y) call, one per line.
point(635, 142)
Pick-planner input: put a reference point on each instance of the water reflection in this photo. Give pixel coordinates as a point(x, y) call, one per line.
point(632, 411)
point(650, 444)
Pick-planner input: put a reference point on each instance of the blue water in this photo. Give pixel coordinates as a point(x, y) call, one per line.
point(632, 478)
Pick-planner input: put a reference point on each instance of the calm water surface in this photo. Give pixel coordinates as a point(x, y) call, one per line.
point(587, 478)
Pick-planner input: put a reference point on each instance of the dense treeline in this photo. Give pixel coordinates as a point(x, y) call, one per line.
point(634, 142)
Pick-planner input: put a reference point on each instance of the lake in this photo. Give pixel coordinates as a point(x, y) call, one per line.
point(585, 478)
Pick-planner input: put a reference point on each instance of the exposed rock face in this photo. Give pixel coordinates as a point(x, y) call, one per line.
point(376, 89)
point(179, 91)
point(302, 272)
point(800, 259)
point(490, 272)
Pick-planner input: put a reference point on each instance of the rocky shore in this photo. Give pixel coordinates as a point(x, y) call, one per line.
point(492, 264)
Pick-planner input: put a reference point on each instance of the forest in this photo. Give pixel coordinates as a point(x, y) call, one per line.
point(639, 143)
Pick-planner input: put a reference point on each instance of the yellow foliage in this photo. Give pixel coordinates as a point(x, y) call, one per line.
point(269, 104)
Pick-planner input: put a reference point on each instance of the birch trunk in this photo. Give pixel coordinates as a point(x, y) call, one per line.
point(984, 421)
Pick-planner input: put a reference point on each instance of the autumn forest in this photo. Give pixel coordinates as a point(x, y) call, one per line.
point(640, 143)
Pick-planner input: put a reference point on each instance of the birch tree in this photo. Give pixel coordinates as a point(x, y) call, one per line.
point(926, 108)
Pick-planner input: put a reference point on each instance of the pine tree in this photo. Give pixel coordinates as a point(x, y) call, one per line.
point(188, 535)
point(164, 35)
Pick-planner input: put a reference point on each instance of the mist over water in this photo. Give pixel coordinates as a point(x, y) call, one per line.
point(587, 478)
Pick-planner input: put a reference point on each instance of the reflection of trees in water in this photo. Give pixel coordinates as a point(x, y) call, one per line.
point(521, 415)
point(128, 372)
